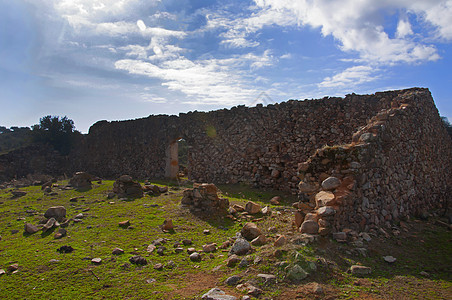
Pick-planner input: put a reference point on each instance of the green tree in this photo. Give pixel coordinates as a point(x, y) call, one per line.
point(57, 132)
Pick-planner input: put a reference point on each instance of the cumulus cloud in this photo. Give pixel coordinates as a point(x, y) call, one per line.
point(350, 77)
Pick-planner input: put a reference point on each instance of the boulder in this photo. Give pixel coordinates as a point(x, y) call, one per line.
point(138, 260)
point(30, 228)
point(50, 223)
point(126, 187)
point(360, 270)
point(167, 225)
point(324, 198)
point(81, 180)
point(240, 247)
point(252, 208)
point(296, 273)
point(310, 227)
point(331, 183)
point(209, 247)
point(305, 187)
point(259, 241)
point(57, 212)
point(195, 257)
point(217, 294)
point(250, 231)
point(326, 211)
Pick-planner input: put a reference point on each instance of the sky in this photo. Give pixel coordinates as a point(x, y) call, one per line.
point(94, 60)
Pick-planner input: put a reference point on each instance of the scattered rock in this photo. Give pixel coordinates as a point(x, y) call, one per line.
point(191, 250)
point(65, 249)
point(81, 180)
point(60, 233)
point(275, 200)
point(195, 256)
point(217, 294)
point(12, 268)
point(267, 278)
point(170, 264)
point(331, 183)
point(232, 260)
point(233, 280)
point(299, 218)
point(158, 266)
point(259, 241)
point(425, 274)
point(124, 224)
point(96, 261)
point(138, 260)
point(340, 236)
point(161, 250)
point(254, 291)
point(209, 247)
point(18, 194)
point(389, 259)
point(252, 208)
point(240, 247)
point(326, 211)
point(360, 270)
point(167, 225)
point(79, 216)
point(49, 224)
point(280, 241)
point(117, 251)
point(206, 231)
point(266, 210)
point(56, 212)
point(151, 248)
point(310, 227)
point(187, 242)
point(250, 231)
point(30, 228)
point(324, 198)
point(126, 187)
point(296, 273)
point(2, 272)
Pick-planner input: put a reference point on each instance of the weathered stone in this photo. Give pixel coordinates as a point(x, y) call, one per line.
point(168, 225)
point(195, 256)
point(296, 273)
point(125, 223)
point(96, 261)
point(158, 266)
point(50, 223)
point(57, 212)
point(252, 207)
point(12, 268)
point(2, 272)
point(117, 251)
point(250, 231)
point(138, 260)
point(389, 259)
point(240, 247)
point(18, 193)
point(331, 183)
point(360, 270)
point(310, 227)
point(209, 247)
point(232, 260)
point(259, 241)
point(233, 280)
point(81, 180)
point(275, 200)
point(187, 242)
point(324, 198)
point(340, 236)
point(30, 228)
point(60, 233)
point(217, 294)
point(280, 241)
point(299, 218)
point(267, 278)
point(304, 187)
point(326, 211)
point(126, 187)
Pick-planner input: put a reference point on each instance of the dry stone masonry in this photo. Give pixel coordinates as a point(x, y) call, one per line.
point(357, 162)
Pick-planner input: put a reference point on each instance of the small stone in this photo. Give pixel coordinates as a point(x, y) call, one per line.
point(275, 200)
point(296, 273)
point(360, 270)
point(299, 218)
point(209, 247)
point(117, 251)
point(244, 263)
point(310, 227)
point(96, 261)
point(240, 247)
point(340, 236)
point(12, 268)
point(2, 272)
point(65, 249)
point(170, 264)
point(280, 241)
point(305, 187)
point(79, 216)
point(266, 210)
point(191, 250)
point(30, 228)
point(50, 223)
point(326, 211)
point(232, 260)
point(61, 233)
point(254, 291)
point(151, 248)
point(259, 241)
point(425, 274)
point(57, 212)
point(138, 260)
point(124, 224)
point(331, 183)
point(195, 256)
point(252, 207)
point(206, 231)
point(167, 225)
point(238, 208)
point(267, 278)
point(365, 236)
point(158, 266)
point(389, 259)
point(161, 251)
point(187, 242)
point(150, 280)
point(250, 231)
point(179, 250)
point(217, 294)
point(233, 280)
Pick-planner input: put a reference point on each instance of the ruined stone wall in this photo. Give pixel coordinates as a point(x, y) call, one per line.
point(399, 164)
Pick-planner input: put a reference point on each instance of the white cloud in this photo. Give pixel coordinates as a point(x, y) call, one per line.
point(350, 77)
point(141, 25)
point(359, 25)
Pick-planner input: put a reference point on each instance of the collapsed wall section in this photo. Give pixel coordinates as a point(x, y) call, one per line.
point(399, 164)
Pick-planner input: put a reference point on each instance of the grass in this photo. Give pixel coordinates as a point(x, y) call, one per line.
point(73, 276)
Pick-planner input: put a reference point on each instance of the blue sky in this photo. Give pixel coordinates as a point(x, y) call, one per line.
point(123, 59)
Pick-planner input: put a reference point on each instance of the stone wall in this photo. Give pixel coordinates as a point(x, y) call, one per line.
point(399, 164)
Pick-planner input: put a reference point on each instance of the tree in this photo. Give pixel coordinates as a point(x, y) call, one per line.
point(57, 132)
point(447, 125)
